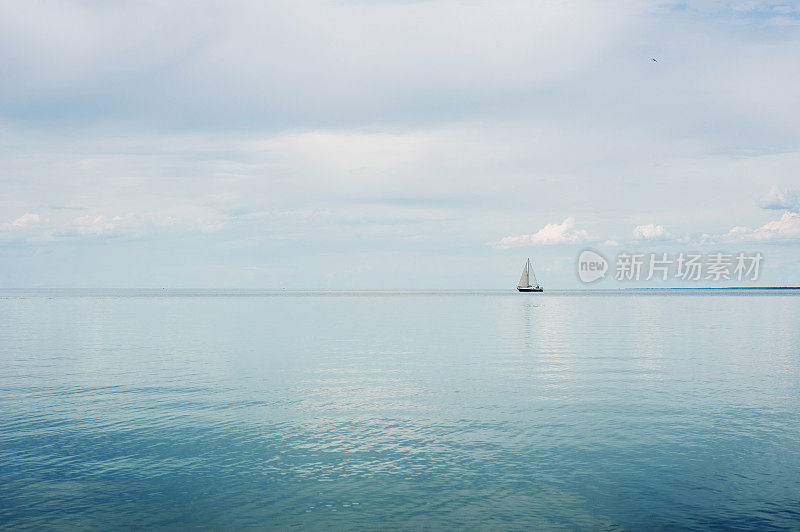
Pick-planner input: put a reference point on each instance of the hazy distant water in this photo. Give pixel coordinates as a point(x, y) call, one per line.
point(256, 409)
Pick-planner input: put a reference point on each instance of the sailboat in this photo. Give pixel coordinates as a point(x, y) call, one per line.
point(528, 282)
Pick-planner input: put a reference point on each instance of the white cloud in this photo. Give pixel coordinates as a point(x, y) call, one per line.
point(346, 158)
point(186, 218)
point(651, 232)
point(288, 57)
point(549, 234)
point(610, 243)
point(180, 217)
point(780, 199)
point(786, 228)
point(26, 220)
point(97, 225)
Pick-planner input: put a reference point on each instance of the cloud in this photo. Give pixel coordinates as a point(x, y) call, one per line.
point(786, 228)
point(549, 234)
point(98, 225)
point(651, 232)
point(26, 220)
point(346, 162)
point(180, 218)
point(281, 61)
point(780, 199)
point(183, 218)
point(609, 243)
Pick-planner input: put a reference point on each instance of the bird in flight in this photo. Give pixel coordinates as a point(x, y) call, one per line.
point(654, 59)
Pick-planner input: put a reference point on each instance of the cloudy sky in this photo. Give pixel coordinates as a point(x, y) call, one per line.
point(391, 144)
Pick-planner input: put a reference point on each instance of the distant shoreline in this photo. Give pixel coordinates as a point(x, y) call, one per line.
point(717, 288)
point(277, 291)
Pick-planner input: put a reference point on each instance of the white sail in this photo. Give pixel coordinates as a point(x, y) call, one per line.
point(523, 281)
point(531, 275)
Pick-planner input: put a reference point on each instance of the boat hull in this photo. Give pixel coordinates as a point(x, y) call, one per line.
point(531, 289)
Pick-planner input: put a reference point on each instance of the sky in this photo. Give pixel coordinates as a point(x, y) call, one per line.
point(391, 144)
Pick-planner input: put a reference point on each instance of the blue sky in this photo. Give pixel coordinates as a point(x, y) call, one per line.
point(393, 144)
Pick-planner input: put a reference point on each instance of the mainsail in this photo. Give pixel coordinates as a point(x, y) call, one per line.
point(523, 281)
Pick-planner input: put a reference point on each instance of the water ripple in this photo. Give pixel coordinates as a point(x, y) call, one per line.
point(399, 410)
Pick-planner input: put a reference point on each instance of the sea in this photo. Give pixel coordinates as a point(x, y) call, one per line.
point(247, 410)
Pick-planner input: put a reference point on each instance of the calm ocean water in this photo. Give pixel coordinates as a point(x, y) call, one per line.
point(246, 409)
